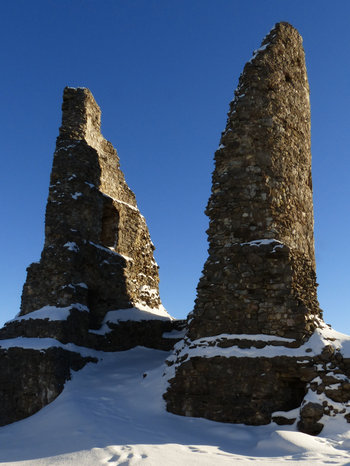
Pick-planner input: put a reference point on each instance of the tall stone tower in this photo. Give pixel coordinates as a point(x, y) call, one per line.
point(258, 288)
point(260, 273)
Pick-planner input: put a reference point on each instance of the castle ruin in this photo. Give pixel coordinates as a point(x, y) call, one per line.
point(256, 348)
point(246, 356)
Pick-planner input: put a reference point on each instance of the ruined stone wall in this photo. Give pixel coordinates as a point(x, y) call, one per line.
point(255, 381)
point(31, 379)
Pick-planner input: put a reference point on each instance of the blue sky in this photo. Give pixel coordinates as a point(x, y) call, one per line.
point(163, 73)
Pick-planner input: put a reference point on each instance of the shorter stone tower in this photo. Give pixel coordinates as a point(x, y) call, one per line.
point(244, 357)
point(95, 287)
point(98, 252)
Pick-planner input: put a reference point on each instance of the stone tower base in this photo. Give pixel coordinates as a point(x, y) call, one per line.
point(256, 379)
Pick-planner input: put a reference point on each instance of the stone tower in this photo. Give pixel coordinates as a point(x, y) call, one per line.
point(260, 273)
point(95, 287)
point(97, 251)
point(258, 287)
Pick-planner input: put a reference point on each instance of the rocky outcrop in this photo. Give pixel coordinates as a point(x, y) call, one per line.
point(256, 317)
point(95, 287)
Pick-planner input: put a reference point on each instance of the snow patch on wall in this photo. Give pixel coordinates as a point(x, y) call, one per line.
point(52, 313)
point(136, 314)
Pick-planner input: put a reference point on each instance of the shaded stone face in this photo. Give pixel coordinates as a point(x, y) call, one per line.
point(246, 355)
point(98, 251)
point(31, 379)
point(260, 273)
point(239, 396)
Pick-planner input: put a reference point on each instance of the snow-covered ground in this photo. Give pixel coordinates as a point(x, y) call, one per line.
point(112, 413)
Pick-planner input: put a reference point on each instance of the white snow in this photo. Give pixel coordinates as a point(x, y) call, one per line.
point(111, 251)
point(243, 336)
point(111, 414)
point(68, 286)
point(81, 284)
point(128, 205)
point(69, 146)
point(260, 242)
point(338, 376)
point(321, 337)
point(293, 413)
point(46, 343)
point(147, 290)
point(153, 261)
point(334, 386)
point(76, 195)
point(51, 313)
point(71, 246)
point(122, 202)
point(160, 310)
point(260, 49)
point(317, 380)
point(257, 51)
point(136, 314)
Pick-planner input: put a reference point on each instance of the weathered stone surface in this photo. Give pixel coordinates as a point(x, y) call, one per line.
point(310, 414)
point(97, 257)
point(225, 390)
point(118, 337)
point(247, 356)
point(31, 379)
point(97, 251)
point(256, 381)
point(260, 273)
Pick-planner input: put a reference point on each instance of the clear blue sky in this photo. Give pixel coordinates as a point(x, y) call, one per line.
point(163, 73)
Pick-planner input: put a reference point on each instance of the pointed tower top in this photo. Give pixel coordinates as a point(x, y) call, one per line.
point(282, 32)
point(281, 50)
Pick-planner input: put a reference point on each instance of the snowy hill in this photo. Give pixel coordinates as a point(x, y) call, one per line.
point(112, 413)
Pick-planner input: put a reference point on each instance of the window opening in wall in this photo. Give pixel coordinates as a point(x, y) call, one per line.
point(110, 222)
